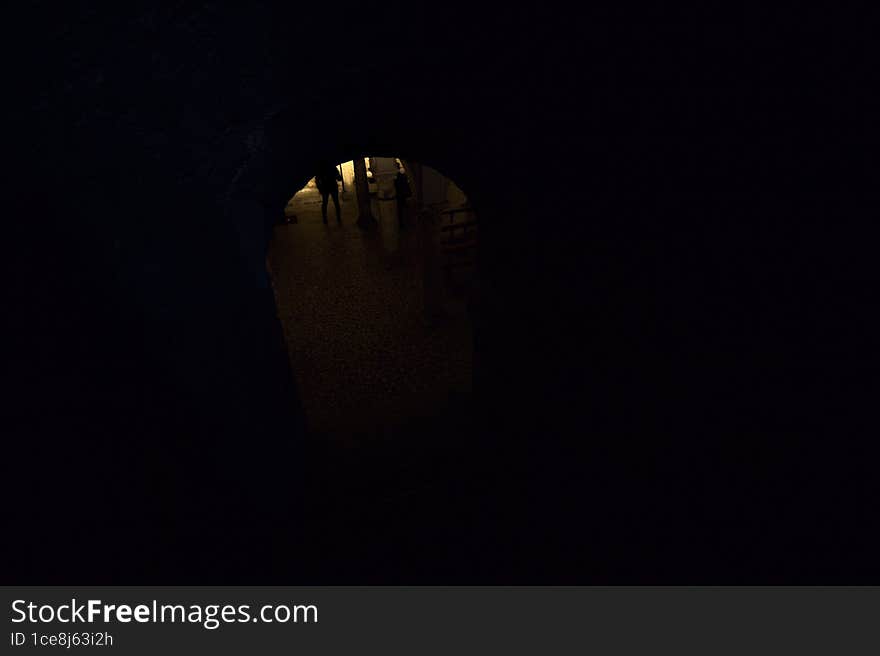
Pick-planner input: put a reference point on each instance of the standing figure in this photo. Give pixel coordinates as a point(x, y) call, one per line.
point(326, 179)
point(403, 192)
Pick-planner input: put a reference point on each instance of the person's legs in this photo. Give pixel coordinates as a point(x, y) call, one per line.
point(325, 195)
point(335, 193)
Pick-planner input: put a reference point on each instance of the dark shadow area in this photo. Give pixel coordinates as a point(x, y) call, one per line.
point(672, 326)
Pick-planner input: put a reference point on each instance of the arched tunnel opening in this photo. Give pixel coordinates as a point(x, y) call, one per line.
point(372, 280)
point(373, 264)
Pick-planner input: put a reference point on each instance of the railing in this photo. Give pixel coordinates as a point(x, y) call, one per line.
point(459, 246)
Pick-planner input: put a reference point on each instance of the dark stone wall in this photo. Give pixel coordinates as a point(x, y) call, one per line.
point(675, 339)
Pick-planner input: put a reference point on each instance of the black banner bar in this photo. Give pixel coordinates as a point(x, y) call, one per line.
point(428, 620)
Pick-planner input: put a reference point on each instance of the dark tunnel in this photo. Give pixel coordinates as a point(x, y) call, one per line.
point(670, 320)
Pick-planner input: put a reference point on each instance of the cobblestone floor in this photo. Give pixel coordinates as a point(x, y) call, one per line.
point(364, 358)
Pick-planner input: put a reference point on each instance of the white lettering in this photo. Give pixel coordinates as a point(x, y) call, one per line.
point(94, 609)
point(22, 614)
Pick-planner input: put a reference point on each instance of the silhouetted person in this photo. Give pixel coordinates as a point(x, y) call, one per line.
point(326, 179)
point(403, 192)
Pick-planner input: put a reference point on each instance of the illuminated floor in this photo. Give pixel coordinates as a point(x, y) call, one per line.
point(364, 360)
point(400, 486)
